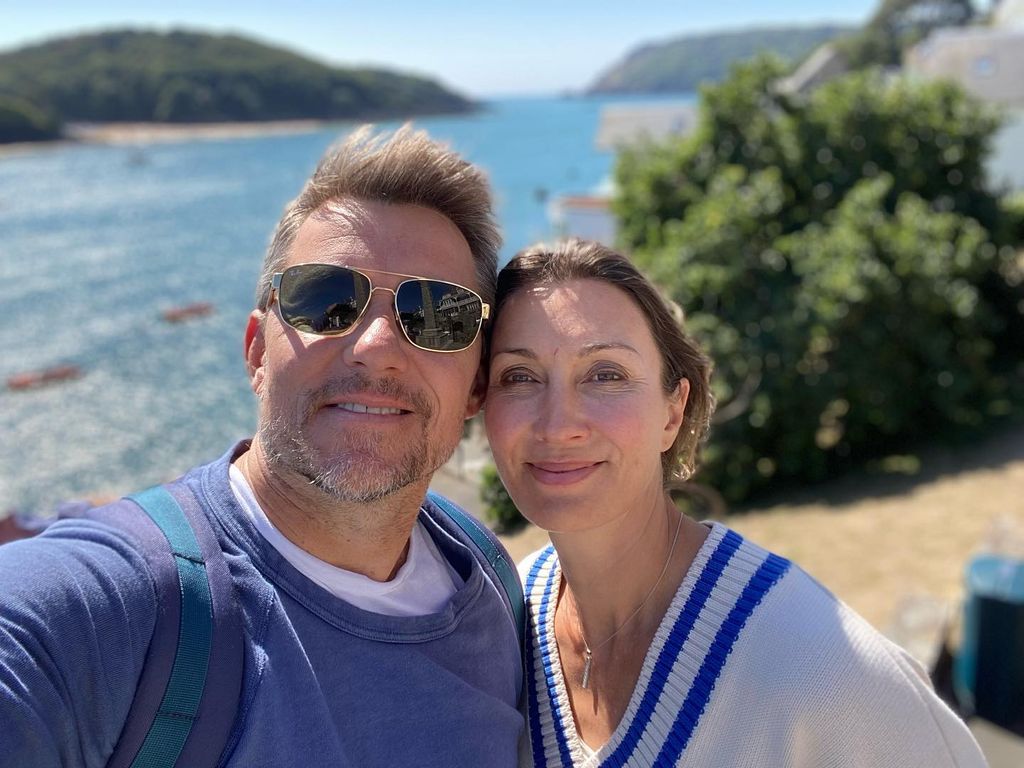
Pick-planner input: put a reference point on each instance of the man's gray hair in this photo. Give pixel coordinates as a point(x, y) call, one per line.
point(404, 167)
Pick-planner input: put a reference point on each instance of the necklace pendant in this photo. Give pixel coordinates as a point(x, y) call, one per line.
point(586, 669)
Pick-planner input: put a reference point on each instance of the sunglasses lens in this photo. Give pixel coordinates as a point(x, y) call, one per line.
point(439, 316)
point(322, 298)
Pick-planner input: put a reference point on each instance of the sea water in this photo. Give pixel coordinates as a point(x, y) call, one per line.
point(97, 240)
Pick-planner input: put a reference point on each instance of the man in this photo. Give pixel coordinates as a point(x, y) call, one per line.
point(372, 634)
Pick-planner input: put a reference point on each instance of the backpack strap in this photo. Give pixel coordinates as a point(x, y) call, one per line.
point(187, 697)
point(180, 705)
point(494, 556)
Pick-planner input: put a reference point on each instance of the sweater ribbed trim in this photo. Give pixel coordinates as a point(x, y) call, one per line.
point(726, 581)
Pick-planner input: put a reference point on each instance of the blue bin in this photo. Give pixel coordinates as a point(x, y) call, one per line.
point(988, 672)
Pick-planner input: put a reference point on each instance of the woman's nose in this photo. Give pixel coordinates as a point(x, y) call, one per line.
point(560, 417)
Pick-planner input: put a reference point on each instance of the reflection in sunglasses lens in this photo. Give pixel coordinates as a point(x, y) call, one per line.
point(438, 315)
point(327, 299)
point(322, 298)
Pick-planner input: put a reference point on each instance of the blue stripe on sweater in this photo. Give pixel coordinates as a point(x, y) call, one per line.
point(680, 632)
point(536, 734)
point(697, 697)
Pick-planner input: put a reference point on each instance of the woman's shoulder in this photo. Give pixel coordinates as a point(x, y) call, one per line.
point(799, 610)
point(798, 624)
point(806, 655)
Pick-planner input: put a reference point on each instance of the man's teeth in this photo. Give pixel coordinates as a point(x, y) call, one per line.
point(357, 408)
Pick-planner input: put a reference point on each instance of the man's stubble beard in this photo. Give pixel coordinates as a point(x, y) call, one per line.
point(357, 470)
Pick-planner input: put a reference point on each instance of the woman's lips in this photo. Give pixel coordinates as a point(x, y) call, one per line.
point(562, 473)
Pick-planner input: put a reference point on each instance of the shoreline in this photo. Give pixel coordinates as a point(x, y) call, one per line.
point(130, 134)
point(136, 133)
point(146, 133)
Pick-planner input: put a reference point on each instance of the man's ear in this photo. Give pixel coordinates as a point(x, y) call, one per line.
point(676, 407)
point(477, 393)
point(255, 349)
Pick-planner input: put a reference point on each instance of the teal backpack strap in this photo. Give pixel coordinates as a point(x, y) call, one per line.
point(187, 696)
point(494, 556)
point(180, 704)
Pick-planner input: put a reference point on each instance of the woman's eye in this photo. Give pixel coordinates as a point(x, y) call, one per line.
point(516, 377)
point(607, 375)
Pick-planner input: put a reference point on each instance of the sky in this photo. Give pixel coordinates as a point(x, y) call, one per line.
point(480, 49)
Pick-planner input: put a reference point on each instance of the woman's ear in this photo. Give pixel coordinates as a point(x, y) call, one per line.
point(675, 404)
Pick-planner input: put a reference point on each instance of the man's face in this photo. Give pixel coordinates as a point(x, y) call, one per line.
point(365, 414)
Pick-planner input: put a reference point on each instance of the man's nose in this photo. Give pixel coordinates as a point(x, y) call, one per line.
point(377, 342)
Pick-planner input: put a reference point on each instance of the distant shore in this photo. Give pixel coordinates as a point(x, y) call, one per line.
point(145, 133)
point(153, 133)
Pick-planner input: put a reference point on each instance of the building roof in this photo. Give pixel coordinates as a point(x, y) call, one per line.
point(624, 124)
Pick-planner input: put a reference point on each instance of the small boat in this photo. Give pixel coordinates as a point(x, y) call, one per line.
point(40, 378)
point(187, 312)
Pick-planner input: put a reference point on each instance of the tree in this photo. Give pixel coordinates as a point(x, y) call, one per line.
point(844, 261)
point(21, 120)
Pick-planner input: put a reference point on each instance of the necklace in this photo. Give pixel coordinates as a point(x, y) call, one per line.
point(588, 652)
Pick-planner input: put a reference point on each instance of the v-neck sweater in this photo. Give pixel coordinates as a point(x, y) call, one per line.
point(753, 664)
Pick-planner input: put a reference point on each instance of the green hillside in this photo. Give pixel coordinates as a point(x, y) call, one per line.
point(179, 76)
point(682, 64)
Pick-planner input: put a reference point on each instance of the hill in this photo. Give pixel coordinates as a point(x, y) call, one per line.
point(184, 76)
point(682, 64)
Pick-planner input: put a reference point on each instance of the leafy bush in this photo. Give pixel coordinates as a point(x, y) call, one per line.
point(499, 509)
point(844, 262)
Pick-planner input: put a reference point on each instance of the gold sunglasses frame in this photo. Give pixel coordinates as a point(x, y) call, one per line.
point(275, 289)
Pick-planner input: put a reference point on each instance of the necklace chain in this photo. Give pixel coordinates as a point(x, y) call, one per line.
point(588, 652)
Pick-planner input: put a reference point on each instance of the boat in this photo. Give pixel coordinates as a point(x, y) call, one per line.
point(43, 377)
point(187, 312)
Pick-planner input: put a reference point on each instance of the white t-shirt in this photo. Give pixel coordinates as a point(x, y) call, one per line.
point(423, 585)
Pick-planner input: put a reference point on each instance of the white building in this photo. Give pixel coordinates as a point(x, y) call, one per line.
point(987, 62)
point(1008, 14)
point(588, 215)
point(826, 63)
point(625, 124)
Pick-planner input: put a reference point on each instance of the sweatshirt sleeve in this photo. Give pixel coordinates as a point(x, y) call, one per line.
point(77, 613)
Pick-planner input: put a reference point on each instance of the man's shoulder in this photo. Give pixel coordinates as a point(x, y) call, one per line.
point(111, 552)
point(90, 555)
point(462, 525)
point(487, 550)
point(81, 578)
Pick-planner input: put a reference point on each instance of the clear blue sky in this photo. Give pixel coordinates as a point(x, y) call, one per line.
point(481, 48)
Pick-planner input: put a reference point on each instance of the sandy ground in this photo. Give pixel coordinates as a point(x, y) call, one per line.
point(145, 133)
point(893, 547)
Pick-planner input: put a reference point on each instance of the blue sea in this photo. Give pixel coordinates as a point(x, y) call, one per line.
point(97, 240)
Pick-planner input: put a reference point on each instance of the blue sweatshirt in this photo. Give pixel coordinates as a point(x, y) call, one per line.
point(325, 683)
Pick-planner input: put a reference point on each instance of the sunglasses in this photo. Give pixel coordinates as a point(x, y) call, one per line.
point(329, 300)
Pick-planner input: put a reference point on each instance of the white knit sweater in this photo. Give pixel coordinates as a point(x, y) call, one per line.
point(754, 664)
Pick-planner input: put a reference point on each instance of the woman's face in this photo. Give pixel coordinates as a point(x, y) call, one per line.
point(576, 413)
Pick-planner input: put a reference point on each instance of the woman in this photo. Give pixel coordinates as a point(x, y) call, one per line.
point(658, 640)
